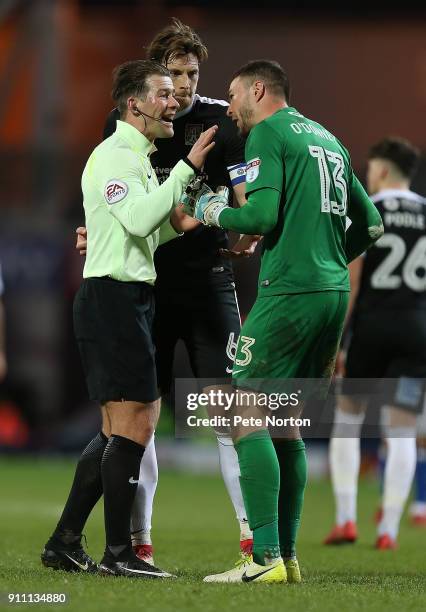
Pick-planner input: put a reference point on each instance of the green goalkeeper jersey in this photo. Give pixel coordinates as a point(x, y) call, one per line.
point(311, 170)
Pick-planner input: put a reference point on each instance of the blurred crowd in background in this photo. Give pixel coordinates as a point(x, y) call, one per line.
point(360, 73)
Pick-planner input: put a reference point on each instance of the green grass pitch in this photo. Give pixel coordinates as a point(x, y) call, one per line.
point(195, 533)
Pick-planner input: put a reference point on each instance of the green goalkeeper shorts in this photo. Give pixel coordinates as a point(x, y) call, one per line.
point(290, 336)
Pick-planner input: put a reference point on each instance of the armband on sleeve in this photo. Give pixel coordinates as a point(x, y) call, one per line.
point(237, 174)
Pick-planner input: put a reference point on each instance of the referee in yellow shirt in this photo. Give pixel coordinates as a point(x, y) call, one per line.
point(127, 216)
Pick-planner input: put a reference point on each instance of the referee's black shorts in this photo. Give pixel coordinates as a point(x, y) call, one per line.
point(391, 346)
point(207, 320)
point(113, 327)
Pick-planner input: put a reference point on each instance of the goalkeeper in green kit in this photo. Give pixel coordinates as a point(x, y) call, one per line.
point(300, 189)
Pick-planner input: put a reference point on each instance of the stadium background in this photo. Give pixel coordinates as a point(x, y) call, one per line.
point(359, 69)
point(362, 74)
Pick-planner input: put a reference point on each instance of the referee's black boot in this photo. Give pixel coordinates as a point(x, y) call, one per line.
point(129, 565)
point(68, 557)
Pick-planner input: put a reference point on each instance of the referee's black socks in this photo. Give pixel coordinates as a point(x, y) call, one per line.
point(85, 491)
point(120, 475)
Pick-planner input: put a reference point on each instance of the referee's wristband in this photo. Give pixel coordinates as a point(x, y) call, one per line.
point(191, 165)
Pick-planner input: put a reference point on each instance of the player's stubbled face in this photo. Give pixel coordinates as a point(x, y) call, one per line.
point(240, 109)
point(184, 71)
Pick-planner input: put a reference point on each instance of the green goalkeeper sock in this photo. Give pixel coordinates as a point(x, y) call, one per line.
point(260, 484)
point(293, 468)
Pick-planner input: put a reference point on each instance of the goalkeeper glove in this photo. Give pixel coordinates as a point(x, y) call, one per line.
point(209, 206)
point(191, 194)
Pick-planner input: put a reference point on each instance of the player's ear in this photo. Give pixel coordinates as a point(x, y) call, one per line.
point(259, 90)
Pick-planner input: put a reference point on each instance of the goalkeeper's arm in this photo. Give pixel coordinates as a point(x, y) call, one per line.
point(258, 216)
point(366, 226)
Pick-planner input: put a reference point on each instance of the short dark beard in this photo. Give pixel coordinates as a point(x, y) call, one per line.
point(246, 114)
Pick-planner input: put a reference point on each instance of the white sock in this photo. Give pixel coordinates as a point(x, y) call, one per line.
point(344, 456)
point(418, 508)
point(140, 520)
point(230, 469)
point(398, 477)
point(245, 531)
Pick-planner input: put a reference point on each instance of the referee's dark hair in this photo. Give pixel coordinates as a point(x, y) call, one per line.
point(400, 152)
point(174, 40)
point(270, 72)
point(130, 79)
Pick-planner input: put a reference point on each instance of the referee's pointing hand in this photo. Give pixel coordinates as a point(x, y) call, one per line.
point(202, 147)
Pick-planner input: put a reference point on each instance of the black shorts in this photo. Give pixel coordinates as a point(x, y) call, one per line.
point(113, 328)
point(207, 320)
point(390, 346)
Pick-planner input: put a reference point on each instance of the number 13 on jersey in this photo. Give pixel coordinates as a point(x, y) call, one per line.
point(327, 204)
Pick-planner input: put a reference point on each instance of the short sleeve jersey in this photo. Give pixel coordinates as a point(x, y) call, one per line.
point(312, 172)
point(195, 258)
point(394, 271)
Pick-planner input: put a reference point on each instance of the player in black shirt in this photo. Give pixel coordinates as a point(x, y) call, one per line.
point(388, 342)
point(194, 278)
